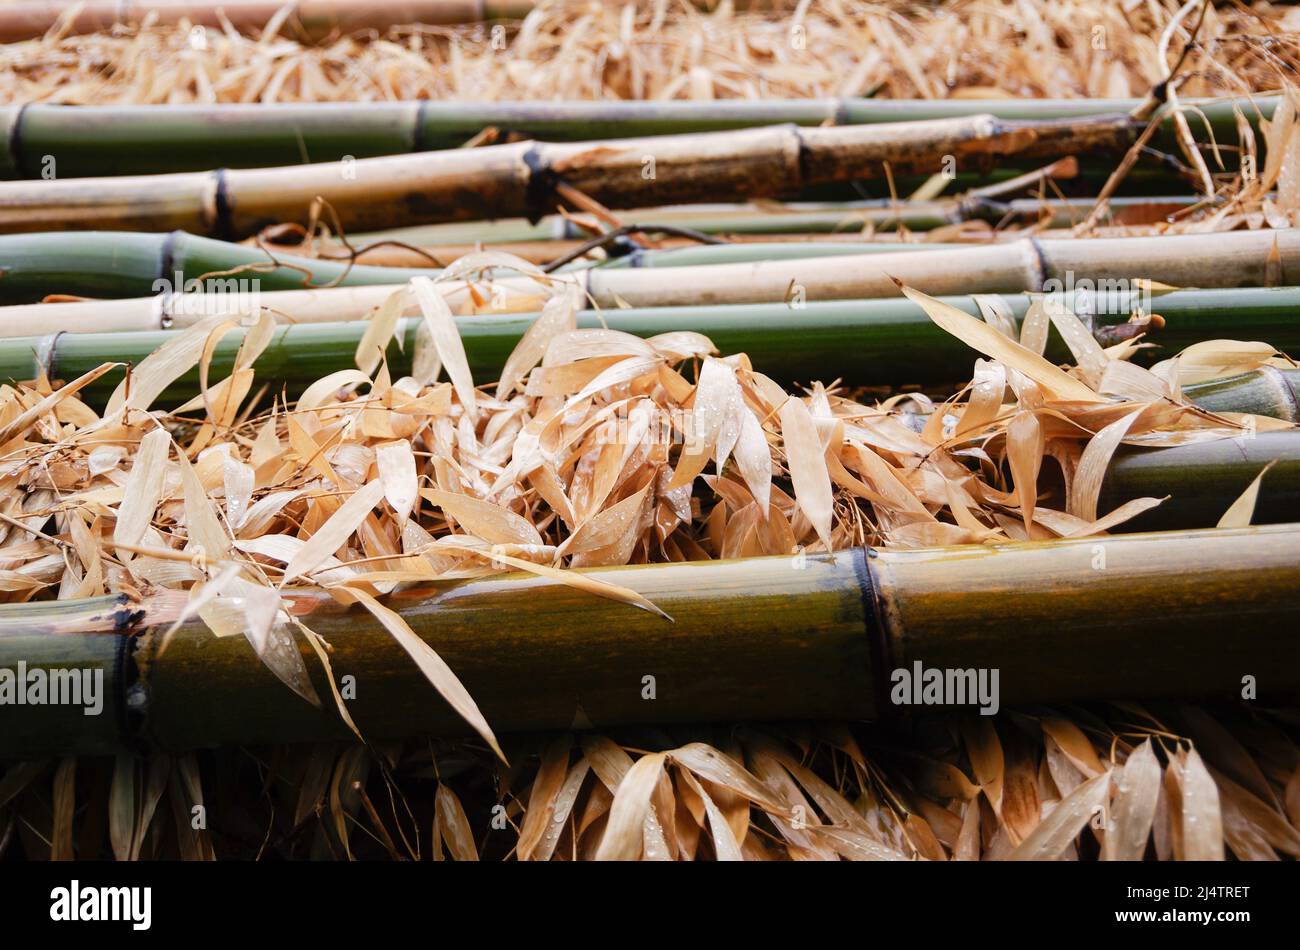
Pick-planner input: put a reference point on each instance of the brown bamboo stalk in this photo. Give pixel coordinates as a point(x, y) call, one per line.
point(520, 179)
point(28, 19)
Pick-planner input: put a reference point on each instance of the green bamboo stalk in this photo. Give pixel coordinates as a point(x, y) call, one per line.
point(1202, 480)
point(814, 637)
point(867, 342)
point(113, 264)
point(1269, 391)
point(84, 141)
point(532, 178)
point(49, 636)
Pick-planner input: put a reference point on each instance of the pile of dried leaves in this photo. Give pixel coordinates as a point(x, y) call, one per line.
point(671, 49)
point(595, 448)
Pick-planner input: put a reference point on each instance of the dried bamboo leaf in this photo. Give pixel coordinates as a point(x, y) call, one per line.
point(1057, 831)
point(624, 832)
point(334, 532)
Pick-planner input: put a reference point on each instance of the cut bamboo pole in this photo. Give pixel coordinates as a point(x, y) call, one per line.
point(28, 19)
point(125, 264)
point(867, 342)
point(86, 141)
point(817, 637)
point(525, 178)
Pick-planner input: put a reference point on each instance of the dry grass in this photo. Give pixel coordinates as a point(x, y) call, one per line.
point(670, 50)
point(369, 484)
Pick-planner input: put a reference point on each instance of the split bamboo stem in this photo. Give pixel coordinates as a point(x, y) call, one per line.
point(866, 342)
point(521, 179)
point(137, 140)
point(757, 639)
point(315, 19)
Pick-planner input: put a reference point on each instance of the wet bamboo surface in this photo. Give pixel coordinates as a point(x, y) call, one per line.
point(85, 141)
point(1179, 614)
point(528, 178)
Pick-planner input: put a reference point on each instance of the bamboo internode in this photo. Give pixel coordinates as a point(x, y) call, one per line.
point(804, 637)
point(1202, 480)
point(527, 178)
point(27, 19)
point(80, 141)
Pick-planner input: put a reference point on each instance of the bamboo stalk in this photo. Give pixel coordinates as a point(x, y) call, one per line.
point(116, 265)
point(521, 178)
point(817, 637)
point(1268, 391)
point(869, 342)
point(798, 216)
point(1032, 264)
point(668, 251)
point(126, 264)
point(135, 140)
point(29, 19)
point(1204, 479)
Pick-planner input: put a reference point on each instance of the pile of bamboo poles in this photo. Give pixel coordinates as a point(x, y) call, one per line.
point(299, 395)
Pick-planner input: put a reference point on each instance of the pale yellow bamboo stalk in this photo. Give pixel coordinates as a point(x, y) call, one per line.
point(1237, 259)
